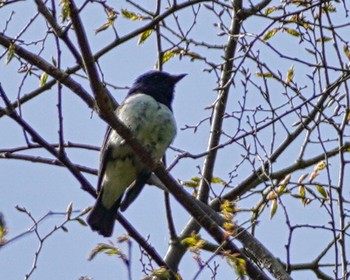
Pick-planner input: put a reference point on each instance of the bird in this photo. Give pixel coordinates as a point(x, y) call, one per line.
point(147, 112)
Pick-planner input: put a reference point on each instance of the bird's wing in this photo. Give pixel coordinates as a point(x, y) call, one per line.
point(135, 189)
point(106, 152)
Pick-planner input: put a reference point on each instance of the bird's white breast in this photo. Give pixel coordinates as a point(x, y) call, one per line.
point(152, 123)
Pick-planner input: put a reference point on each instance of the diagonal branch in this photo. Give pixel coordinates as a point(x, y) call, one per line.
point(58, 30)
point(255, 178)
point(48, 68)
point(85, 185)
point(175, 252)
point(220, 104)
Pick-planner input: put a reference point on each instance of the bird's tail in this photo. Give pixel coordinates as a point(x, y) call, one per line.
point(101, 219)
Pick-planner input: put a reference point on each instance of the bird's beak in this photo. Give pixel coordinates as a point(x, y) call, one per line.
point(177, 78)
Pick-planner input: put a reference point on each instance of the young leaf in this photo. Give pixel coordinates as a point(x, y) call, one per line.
point(263, 75)
point(217, 180)
point(161, 273)
point(313, 175)
point(43, 78)
point(144, 35)
point(3, 229)
point(324, 39)
point(104, 27)
point(269, 34)
point(131, 15)
point(194, 242)
point(310, 51)
point(69, 210)
point(81, 221)
point(320, 165)
point(194, 56)
point(283, 184)
point(170, 54)
point(65, 11)
point(273, 209)
point(271, 195)
point(270, 10)
point(85, 211)
point(302, 191)
point(322, 191)
point(193, 183)
point(105, 248)
point(302, 178)
point(227, 207)
point(21, 209)
point(346, 51)
point(292, 32)
point(329, 8)
point(290, 75)
point(10, 53)
point(239, 264)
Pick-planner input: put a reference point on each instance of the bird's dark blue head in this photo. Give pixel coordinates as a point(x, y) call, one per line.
point(160, 85)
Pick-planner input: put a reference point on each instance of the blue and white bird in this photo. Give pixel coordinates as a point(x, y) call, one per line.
point(147, 112)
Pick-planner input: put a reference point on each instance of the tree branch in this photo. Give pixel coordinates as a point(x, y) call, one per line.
point(48, 68)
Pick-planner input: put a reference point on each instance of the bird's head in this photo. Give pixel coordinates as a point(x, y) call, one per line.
point(158, 84)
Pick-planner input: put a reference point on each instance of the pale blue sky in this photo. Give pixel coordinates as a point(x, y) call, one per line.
point(41, 188)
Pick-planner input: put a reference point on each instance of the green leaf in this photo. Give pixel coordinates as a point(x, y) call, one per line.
point(320, 165)
point(160, 274)
point(104, 248)
point(217, 180)
point(227, 207)
point(194, 56)
point(302, 191)
point(3, 229)
point(269, 34)
point(310, 51)
point(239, 264)
point(263, 75)
point(324, 39)
point(43, 78)
point(329, 8)
point(104, 27)
point(301, 3)
point(65, 11)
point(131, 15)
point(144, 35)
point(292, 32)
point(272, 9)
point(240, 267)
point(322, 191)
point(193, 183)
point(10, 53)
point(112, 15)
point(194, 241)
point(290, 75)
point(346, 51)
point(170, 54)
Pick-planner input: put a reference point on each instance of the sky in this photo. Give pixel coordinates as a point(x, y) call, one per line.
point(43, 189)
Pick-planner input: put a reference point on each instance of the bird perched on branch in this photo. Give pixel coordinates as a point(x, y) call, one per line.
point(147, 112)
